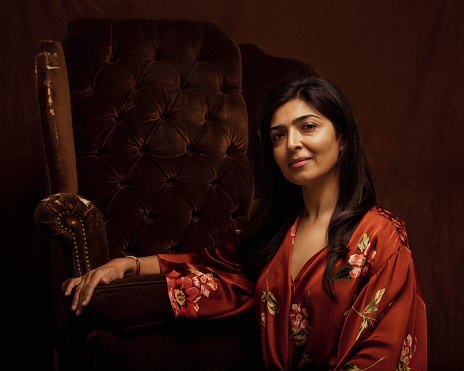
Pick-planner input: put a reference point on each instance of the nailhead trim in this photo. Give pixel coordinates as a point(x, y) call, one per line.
point(77, 266)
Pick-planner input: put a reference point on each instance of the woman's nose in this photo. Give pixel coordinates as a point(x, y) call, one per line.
point(293, 140)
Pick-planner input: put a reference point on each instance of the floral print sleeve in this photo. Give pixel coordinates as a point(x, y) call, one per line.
point(207, 285)
point(183, 296)
point(185, 292)
point(386, 323)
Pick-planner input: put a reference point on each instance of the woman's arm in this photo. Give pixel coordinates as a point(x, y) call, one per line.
point(208, 284)
point(386, 327)
point(212, 275)
point(113, 270)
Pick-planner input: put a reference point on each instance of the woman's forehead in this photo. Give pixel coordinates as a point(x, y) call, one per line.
point(294, 110)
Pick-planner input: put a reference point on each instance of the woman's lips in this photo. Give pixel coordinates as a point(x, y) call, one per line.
point(299, 162)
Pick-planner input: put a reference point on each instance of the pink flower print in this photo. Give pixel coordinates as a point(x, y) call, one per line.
point(205, 282)
point(408, 350)
point(299, 324)
point(360, 262)
point(263, 319)
point(183, 296)
point(298, 318)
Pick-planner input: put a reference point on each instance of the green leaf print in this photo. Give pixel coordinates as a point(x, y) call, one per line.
point(305, 360)
point(352, 367)
point(343, 274)
point(270, 300)
point(364, 243)
point(370, 308)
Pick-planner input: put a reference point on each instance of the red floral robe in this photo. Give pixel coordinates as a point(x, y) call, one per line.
point(378, 321)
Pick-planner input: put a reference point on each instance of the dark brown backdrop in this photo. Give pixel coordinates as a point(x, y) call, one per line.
point(399, 62)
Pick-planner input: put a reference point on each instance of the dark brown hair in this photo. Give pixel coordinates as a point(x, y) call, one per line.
point(278, 201)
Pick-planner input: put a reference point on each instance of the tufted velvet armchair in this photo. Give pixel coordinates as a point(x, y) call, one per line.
point(152, 159)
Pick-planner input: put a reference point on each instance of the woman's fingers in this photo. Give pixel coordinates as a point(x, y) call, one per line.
point(87, 291)
point(84, 291)
point(77, 294)
point(84, 286)
point(73, 282)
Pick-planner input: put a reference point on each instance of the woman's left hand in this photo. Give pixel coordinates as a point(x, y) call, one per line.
point(85, 285)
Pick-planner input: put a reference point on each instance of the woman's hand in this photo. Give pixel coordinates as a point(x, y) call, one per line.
point(85, 285)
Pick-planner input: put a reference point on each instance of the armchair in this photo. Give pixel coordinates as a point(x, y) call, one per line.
point(152, 159)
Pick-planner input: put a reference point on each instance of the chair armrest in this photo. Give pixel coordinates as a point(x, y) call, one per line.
point(131, 302)
point(78, 224)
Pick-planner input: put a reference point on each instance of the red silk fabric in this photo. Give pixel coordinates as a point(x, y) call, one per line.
point(378, 321)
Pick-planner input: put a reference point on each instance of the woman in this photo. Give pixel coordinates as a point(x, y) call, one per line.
point(335, 285)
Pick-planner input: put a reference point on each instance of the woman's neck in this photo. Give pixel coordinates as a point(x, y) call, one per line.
point(320, 199)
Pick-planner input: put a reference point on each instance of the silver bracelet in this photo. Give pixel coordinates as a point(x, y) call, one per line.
point(137, 261)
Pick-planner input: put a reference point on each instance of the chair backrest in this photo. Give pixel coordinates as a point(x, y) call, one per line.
point(160, 131)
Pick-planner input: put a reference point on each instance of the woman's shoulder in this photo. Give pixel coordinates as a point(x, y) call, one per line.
point(379, 237)
point(381, 234)
point(383, 223)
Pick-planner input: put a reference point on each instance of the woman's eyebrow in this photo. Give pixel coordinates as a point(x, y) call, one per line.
point(277, 127)
point(304, 117)
point(294, 121)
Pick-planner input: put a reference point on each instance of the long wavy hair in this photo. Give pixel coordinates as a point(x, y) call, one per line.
point(278, 202)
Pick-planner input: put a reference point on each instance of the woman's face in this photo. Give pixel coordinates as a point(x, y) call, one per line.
point(305, 144)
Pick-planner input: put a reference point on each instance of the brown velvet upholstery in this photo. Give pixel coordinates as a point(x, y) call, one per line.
point(158, 146)
point(160, 132)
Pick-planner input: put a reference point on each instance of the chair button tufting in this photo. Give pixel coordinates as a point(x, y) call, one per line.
point(163, 121)
point(151, 215)
point(144, 148)
point(124, 182)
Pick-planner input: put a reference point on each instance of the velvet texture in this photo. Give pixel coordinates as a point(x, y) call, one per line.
point(160, 133)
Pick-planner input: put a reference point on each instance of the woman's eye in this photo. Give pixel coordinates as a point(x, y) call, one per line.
point(308, 126)
point(277, 136)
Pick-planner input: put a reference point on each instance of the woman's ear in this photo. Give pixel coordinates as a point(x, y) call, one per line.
point(341, 145)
